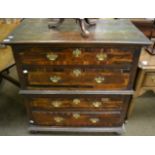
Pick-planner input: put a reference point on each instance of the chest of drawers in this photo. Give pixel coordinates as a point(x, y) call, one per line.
point(73, 84)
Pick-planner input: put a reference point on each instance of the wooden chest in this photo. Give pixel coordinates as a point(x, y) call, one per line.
point(75, 84)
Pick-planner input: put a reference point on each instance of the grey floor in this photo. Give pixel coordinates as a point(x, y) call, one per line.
point(13, 120)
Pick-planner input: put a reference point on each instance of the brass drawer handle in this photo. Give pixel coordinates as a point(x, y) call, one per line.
point(97, 104)
point(76, 115)
point(55, 79)
point(51, 56)
point(101, 56)
point(76, 53)
point(99, 79)
point(153, 79)
point(58, 119)
point(94, 120)
point(56, 104)
point(76, 101)
point(77, 72)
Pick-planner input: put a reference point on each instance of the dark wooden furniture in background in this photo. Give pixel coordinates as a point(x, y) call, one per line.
point(147, 26)
point(73, 84)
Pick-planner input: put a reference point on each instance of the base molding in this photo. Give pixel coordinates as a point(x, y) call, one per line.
point(118, 130)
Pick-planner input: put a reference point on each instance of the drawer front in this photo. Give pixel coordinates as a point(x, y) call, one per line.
point(149, 80)
point(114, 79)
point(93, 103)
point(76, 56)
point(76, 119)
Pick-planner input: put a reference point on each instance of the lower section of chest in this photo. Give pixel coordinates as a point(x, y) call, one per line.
point(89, 112)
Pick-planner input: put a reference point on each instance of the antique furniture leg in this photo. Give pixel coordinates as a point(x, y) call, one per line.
point(138, 92)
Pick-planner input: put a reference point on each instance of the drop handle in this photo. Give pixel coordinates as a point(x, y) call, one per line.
point(101, 56)
point(76, 101)
point(76, 53)
point(94, 120)
point(97, 104)
point(58, 119)
point(55, 79)
point(76, 115)
point(56, 104)
point(51, 56)
point(99, 79)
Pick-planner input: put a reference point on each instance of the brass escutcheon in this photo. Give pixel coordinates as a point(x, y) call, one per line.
point(77, 72)
point(76, 53)
point(105, 99)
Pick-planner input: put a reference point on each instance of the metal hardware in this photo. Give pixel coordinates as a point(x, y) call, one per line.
point(76, 53)
point(51, 56)
point(55, 79)
point(76, 115)
point(25, 71)
point(127, 70)
point(58, 119)
point(105, 99)
point(76, 101)
point(31, 121)
point(56, 104)
point(10, 37)
point(6, 40)
point(99, 79)
point(77, 72)
point(153, 79)
point(97, 104)
point(94, 120)
point(101, 56)
point(145, 63)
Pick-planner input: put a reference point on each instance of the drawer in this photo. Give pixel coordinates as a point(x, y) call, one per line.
point(78, 78)
point(76, 119)
point(76, 56)
point(91, 103)
point(149, 80)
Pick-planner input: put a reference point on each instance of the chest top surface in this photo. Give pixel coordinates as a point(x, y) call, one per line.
point(105, 32)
